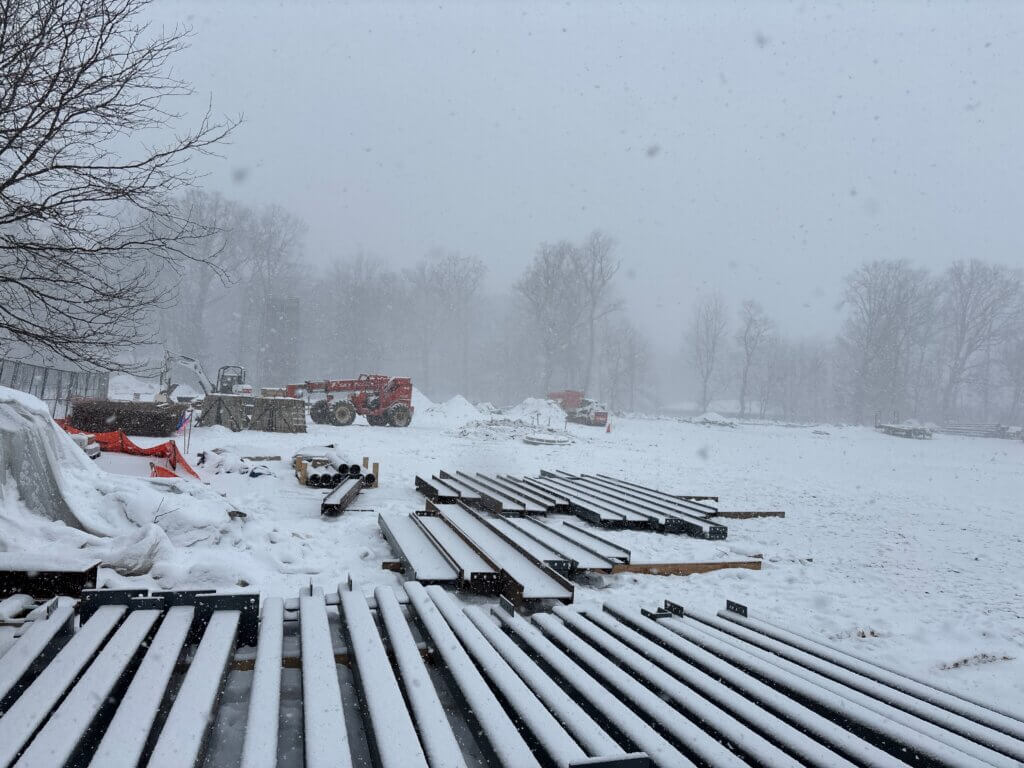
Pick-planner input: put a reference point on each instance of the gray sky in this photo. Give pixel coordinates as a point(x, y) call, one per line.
point(762, 149)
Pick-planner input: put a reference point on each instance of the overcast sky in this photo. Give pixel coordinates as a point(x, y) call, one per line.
point(760, 149)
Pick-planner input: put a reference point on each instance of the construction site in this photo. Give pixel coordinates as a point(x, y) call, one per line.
point(531, 589)
point(511, 384)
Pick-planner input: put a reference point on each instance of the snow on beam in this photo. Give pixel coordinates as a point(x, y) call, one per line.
point(260, 747)
point(326, 740)
point(597, 697)
point(502, 735)
point(59, 740)
point(125, 738)
point(32, 708)
point(393, 735)
point(561, 747)
point(184, 733)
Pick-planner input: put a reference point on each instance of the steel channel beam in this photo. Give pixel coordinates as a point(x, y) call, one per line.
point(901, 729)
point(943, 718)
point(554, 740)
point(31, 652)
point(754, 716)
point(981, 713)
point(582, 557)
point(183, 736)
point(714, 719)
point(391, 732)
point(392, 527)
point(707, 528)
point(259, 750)
point(325, 738)
point(576, 493)
point(125, 737)
point(31, 709)
point(592, 512)
point(435, 730)
point(625, 718)
point(684, 731)
point(825, 729)
point(582, 726)
point(502, 734)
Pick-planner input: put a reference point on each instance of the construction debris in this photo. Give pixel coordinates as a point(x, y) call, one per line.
point(426, 681)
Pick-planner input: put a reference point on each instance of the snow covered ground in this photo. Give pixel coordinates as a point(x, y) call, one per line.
point(905, 551)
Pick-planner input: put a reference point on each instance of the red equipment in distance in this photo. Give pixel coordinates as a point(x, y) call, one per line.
point(383, 400)
point(579, 409)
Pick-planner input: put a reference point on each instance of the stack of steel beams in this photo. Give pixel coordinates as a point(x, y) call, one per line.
point(420, 680)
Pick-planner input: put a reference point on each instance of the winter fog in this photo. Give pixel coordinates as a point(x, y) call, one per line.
point(511, 384)
point(751, 152)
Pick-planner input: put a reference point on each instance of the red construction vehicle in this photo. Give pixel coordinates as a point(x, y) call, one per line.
point(579, 409)
point(383, 400)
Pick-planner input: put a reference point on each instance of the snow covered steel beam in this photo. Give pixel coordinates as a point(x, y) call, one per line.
point(125, 737)
point(906, 732)
point(184, 733)
point(771, 700)
point(553, 738)
point(393, 735)
point(31, 709)
point(662, 753)
point(37, 645)
point(325, 737)
point(502, 734)
point(972, 710)
point(755, 717)
point(260, 747)
point(436, 732)
point(951, 721)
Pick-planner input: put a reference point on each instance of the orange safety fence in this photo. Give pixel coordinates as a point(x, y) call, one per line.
point(119, 442)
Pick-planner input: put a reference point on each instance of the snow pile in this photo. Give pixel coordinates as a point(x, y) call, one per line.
point(124, 386)
point(505, 429)
point(534, 410)
point(451, 413)
point(420, 402)
point(712, 418)
point(54, 500)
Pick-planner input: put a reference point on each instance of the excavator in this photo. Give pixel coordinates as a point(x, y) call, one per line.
point(230, 378)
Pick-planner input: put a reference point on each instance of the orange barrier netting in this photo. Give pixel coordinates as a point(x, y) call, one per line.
point(119, 442)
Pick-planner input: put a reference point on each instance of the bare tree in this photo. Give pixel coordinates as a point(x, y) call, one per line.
point(755, 330)
point(625, 358)
point(554, 298)
point(980, 306)
point(890, 317)
point(455, 281)
point(86, 166)
point(706, 336)
point(595, 267)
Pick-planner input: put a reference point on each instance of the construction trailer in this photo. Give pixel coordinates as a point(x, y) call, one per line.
point(579, 409)
point(383, 400)
point(411, 678)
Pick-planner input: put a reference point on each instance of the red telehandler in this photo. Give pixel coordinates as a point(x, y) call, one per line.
point(383, 400)
point(579, 409)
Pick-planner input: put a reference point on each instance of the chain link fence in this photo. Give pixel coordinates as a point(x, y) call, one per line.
point(54, 386)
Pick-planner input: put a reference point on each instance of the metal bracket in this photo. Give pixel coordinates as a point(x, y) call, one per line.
point(674, 608)
point(736, 608)
point(507, 605)
point(657, 613)
point(93, 599)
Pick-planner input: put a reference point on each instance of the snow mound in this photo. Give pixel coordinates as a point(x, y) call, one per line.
point(124, 386)
point(420, 402)
point(507, 429)
point(54, 500)
point(454, 412)
point(534, 410)
point(714, 418)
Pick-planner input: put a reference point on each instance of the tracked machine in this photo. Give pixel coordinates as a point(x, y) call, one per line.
point(383, 400)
